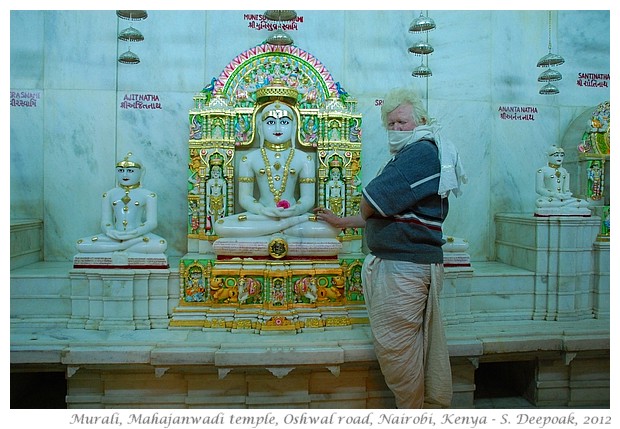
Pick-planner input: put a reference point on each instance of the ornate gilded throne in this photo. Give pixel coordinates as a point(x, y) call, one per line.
point(282, 291)
point(590, 164)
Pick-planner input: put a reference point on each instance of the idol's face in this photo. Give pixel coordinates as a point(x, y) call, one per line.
point(128, 176)
point(556, 158)
point(401, 119)
point(277, 130)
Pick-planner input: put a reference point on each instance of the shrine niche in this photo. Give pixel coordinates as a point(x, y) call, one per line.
point(265, 263)
point(589, 162)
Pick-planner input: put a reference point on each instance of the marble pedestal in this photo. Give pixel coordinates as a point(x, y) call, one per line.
point(560, 251)
point(455, 252)
point(278, 245)
point(106, 299)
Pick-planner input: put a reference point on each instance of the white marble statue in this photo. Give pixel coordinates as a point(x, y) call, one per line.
point(335, 192)
point(216, 198)
point(277, 167)
point(553, 188)
point(128, 216)
point(284, 177)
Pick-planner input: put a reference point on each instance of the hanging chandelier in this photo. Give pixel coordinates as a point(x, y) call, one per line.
point(130, 34)
point(422, 25)
point(551, 74)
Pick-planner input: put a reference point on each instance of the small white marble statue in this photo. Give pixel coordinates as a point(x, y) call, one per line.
point(128, 217)
point(553, 188)
point(335, 192)
point(216, 194)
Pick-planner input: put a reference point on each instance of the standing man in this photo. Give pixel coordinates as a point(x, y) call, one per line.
point(403, 210)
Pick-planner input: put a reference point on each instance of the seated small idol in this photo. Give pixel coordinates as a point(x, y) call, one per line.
point(553, 188)
point(285, 179)
point(128, 216)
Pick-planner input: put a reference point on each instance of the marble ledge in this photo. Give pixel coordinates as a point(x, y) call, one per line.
point(44, 269)
point(99, 354)
point(184, 355)
point(25, 223)
point(225, 350)
point(361, 351)
point(525, 343)
point(585, 342)
point(497, 269)
point(471, 347)
point(62, 269)
point(269, 354)
point(37, 354)
point(279, 354)
point(528, 335)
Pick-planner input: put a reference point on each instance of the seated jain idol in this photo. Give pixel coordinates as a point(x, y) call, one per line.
point(276, 188)
point(128, 217)
point(553, 188)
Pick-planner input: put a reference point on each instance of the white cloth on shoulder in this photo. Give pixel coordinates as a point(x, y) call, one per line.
point(452, 171)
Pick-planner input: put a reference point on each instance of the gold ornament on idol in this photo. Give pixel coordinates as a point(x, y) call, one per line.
point(277, 147)
point(556, 167)
point(127, 163)
point(277, 193)
point(127, 198)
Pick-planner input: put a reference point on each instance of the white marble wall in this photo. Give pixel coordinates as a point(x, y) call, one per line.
point(63, 150)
